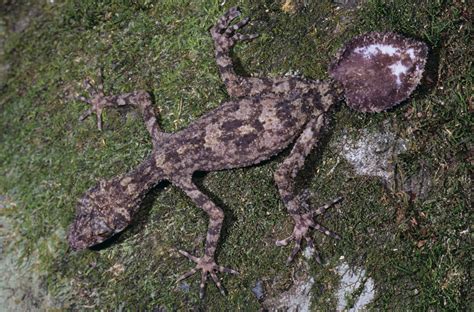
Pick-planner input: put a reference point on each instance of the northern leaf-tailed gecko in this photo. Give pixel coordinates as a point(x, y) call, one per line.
point(264, 116)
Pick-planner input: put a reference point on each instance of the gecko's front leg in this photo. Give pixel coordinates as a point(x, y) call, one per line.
point(206, 263)
point(297, 204)
point(98, 101)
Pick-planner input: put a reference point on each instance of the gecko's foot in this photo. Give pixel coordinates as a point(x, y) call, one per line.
point(208, 267)
point(303, 223)
point(226, 35)
point(96, 100)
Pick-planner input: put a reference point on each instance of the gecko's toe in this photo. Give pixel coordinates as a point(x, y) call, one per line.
point(232, 29)
point(295, 250)
point(217, 282)
point(240, 37)
point(186, 275)
point(89, 87)
point(227, 270)
point(202, 285)
point(82, 99)
point(322, 209)
point(326, 231)
point(86, 114)
point(285, 241)
point(223, 23)
point(207, 267)
point(189, 256)
point(99, 120)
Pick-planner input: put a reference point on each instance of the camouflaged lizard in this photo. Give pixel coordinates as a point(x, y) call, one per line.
point(263, 117)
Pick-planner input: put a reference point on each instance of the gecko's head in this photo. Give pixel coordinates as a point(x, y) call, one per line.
point(379, 70)
point(100, 213)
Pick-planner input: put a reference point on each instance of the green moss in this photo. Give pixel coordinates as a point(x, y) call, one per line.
point(48, 159)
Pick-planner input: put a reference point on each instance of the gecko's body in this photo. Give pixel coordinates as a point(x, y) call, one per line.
point(263, 117)
point(239, 133)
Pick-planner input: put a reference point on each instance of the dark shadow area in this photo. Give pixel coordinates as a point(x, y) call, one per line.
point(430, 76)
point(238, 67)
point(156, 106)
point(314, 159)
point(108, 242)
point(142, 216)
point(306, 174)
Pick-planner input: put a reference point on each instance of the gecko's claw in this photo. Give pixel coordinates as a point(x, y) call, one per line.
point(95, 100)
point(303, 223)
point(226, 35)
point(224, 21)
point(208, 267)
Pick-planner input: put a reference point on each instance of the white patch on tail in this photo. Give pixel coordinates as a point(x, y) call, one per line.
point(397, 69)
point(411, 53)
point(375, 49)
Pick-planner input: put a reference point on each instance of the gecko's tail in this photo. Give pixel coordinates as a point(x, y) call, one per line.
point(379, 70)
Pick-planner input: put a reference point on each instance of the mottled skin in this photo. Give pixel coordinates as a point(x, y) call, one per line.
point(264, 116)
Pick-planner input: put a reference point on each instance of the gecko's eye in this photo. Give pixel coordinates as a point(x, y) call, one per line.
point(379, 70)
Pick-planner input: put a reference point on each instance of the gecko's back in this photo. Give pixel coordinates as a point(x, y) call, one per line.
point(238, 133)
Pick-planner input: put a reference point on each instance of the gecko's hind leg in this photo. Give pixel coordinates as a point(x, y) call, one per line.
point(297, 205)
point(206, 264)
point(98, 101)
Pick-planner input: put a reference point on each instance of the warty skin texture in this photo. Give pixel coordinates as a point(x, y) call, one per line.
point(263, 117)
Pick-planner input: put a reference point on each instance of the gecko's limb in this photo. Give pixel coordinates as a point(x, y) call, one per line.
point(138, 99)
point(297, 204)
point(206, 263)
point(225, 36)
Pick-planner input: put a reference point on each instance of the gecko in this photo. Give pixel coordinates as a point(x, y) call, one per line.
point(263, 117)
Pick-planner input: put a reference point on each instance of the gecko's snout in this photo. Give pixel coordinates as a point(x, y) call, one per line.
point(90, 227)
point(87, 231)
point(100, 213)
point(77, 240)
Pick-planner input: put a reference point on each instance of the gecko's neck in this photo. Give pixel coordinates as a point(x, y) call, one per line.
point(337, 89)
point(140, 180)
point(330, 92)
